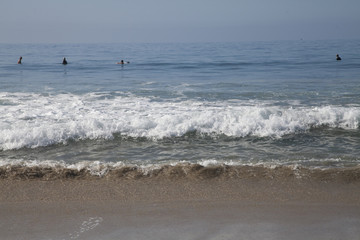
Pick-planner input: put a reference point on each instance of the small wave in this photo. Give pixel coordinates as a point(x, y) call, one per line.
point(34, 120)
point(184, 170)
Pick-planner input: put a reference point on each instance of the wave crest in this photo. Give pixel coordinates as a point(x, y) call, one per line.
point(33, 120)
point(97, 170)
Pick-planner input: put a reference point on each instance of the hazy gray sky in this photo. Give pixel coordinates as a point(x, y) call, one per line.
point(177, 21)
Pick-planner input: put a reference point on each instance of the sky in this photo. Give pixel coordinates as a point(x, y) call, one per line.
point(116, 21)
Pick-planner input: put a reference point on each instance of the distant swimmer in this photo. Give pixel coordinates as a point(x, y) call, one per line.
point(64, 61)
point(19, 62)
point(122, 62)
point(338, 57)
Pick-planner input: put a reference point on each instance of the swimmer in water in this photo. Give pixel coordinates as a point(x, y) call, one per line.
point(19, 62)
point(338, 57)
point(64, 61)
point(122, 62)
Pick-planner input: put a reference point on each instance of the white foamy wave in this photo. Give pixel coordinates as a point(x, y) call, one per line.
point(33, 120)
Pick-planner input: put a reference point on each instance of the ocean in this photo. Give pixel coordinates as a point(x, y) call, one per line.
point(271, 104)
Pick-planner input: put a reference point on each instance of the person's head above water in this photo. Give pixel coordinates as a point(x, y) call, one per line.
point(19, 61)
point(64, 61)
point(122, 62)
point(338, 57)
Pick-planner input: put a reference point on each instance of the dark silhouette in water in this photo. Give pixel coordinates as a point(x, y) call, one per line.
point(122, 62)
point(338, 57)
point(19, 62)
point(64, 61)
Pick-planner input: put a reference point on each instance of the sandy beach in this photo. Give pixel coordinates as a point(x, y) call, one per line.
point(180, 208)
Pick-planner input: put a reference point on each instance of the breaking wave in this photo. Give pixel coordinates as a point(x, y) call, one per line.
point(184, 170)
point(34, 120)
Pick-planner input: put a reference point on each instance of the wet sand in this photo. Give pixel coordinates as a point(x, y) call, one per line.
point(182, 208)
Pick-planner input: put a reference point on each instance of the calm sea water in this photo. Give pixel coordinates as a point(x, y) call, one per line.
point(235, 103)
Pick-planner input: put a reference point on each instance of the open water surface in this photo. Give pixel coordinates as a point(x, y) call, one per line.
point(251, 103)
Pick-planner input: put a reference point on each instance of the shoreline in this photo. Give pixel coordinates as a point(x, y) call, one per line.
point(151, 208)
point(190, 171)
point(183, 189)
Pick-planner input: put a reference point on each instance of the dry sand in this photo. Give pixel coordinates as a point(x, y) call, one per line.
point(156, 208)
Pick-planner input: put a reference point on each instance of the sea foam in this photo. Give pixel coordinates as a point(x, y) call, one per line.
point(33, 120)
